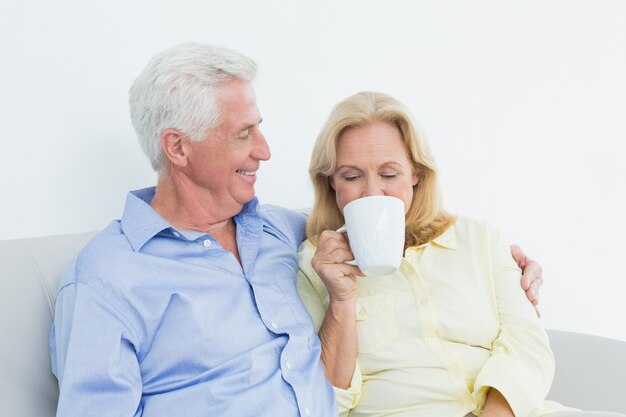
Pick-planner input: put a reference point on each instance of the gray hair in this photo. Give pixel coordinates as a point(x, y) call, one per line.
point(177, 89)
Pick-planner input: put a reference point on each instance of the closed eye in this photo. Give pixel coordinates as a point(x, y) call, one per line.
point(348, 174)
point(388, 174)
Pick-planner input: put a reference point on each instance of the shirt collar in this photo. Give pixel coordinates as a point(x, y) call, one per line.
point(250, 209)
point(140, 222)
point(446, 240)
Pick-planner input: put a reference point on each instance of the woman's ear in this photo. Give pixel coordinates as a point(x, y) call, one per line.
point(172, 143)
point(415, 179)
point(331, 181)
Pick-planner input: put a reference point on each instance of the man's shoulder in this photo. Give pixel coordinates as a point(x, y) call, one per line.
point(111, 238)
point(271, 211)
point(289, 223)
point(107, 248)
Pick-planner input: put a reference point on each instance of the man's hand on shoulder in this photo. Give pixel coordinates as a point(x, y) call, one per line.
point(532, 278)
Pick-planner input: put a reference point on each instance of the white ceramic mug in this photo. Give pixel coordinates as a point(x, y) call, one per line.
point(375, 227)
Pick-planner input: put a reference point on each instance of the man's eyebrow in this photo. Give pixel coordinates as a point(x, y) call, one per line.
point(250, 126)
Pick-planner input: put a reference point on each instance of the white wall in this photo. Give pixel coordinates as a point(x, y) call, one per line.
point(525, 103)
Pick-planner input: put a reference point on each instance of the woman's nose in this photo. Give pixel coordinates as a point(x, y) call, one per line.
point(372, 188)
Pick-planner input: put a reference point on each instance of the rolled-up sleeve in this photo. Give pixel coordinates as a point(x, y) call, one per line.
point(521, 365)
point(348, 398)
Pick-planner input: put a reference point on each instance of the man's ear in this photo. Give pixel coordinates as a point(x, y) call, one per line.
point(173, 147)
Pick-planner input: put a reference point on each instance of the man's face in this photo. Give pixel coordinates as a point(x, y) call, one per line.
point(226, 162)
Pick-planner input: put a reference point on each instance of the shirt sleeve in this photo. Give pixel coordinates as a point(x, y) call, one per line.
point(521, 365)
point(315, 298)
point(93, 357)
point(287, 222)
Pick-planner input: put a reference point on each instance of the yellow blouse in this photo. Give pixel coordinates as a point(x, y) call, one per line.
point(435, 335)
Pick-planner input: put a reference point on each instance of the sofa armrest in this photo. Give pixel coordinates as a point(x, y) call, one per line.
point(590, 371)
point(30, 270)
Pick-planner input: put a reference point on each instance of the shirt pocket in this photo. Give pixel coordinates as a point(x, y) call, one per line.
point(375, 321)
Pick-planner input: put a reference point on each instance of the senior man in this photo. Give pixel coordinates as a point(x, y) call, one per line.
point(187, 305)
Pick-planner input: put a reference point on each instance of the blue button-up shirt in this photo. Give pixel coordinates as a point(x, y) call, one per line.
point(153, 321)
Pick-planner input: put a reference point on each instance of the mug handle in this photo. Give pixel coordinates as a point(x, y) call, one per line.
point(344, 229)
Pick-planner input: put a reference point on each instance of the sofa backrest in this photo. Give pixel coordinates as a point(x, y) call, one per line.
point(29, 277)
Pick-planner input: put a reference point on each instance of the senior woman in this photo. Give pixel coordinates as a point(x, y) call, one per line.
point(451, 332)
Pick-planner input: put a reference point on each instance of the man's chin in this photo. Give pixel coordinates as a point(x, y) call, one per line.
point(245, 198)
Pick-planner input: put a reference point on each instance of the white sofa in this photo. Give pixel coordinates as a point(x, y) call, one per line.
point(590, 372)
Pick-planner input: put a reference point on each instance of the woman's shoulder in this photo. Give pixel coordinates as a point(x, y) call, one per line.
point(307, 273)
point(306, 250)
point(474, 228)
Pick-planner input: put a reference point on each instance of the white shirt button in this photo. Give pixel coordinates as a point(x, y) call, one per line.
point(288, 365)
point(206, 243)
point(274, 325)
point(307, 411)
point(176, 234)
point(432, 341)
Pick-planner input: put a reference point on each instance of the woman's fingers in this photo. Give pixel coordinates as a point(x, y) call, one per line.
point(329, 261)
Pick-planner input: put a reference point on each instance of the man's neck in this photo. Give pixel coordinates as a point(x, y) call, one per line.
point(186, 207)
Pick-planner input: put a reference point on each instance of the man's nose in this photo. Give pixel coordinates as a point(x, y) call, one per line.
point(261, 149)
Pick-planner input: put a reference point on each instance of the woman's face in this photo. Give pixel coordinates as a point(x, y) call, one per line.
point(372, 160)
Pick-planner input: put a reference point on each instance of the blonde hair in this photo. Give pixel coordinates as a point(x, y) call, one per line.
point(425, 219)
